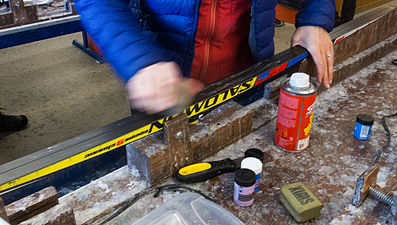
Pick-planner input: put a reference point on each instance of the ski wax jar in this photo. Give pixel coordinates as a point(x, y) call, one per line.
point(255, 165)
point(364, 123)
point(254, 152)
point(244, 184)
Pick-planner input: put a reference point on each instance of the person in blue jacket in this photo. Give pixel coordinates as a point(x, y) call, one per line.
point(155, 46)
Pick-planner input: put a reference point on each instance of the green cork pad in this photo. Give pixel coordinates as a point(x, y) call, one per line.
point(300, 202)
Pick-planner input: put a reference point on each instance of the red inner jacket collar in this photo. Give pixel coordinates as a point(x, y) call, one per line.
point(221, 42)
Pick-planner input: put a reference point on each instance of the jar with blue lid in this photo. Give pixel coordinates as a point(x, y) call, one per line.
point(363, 127)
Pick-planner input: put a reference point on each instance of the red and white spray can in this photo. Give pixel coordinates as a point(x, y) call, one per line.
point(295, 112)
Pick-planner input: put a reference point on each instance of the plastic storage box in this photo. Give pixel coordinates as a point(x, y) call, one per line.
point(189, 209)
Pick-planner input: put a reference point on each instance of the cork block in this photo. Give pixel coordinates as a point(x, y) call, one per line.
point(300, 202)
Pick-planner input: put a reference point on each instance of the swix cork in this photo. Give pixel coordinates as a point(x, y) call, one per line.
point(295, 112)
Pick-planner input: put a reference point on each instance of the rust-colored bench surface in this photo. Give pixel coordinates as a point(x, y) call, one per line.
point(329, 167)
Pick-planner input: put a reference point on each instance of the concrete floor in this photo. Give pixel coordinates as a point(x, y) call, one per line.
point(63, 92)
point(282, 37)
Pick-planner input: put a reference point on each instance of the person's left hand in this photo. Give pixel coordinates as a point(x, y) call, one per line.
point(318, 42)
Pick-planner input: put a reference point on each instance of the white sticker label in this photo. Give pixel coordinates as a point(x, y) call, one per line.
point(302, 144)
point(364, 131)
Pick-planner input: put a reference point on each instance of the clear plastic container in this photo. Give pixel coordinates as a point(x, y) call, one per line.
point(189, 209)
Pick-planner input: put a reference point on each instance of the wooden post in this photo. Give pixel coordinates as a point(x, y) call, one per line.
point(177, 138)
point(3, 213)
point(32, 205)
point(60, 214)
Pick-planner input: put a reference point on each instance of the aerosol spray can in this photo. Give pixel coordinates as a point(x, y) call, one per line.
point(295, 112)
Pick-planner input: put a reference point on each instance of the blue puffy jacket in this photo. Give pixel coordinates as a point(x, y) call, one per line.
point(134, 34)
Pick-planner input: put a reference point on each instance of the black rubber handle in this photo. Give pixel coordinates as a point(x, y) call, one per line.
point(203, 171)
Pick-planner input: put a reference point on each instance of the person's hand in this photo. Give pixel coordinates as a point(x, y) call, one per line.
point(156, 87)
point(318, 42)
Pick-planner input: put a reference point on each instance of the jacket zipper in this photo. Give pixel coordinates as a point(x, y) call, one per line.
point(142, 13)
point(204, 67)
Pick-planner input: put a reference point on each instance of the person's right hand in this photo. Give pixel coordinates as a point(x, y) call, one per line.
point(318, 42)
point(156, 87)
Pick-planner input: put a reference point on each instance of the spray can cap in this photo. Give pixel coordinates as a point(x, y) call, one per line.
point(299, 80)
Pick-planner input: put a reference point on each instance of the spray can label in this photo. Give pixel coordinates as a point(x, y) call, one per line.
point(294, 120)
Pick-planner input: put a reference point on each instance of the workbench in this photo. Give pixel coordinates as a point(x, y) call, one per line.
point(330, 165)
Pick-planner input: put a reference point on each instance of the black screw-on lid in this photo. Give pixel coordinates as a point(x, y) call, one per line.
point(254, 152)
point(245, 177)
point(365, 119)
